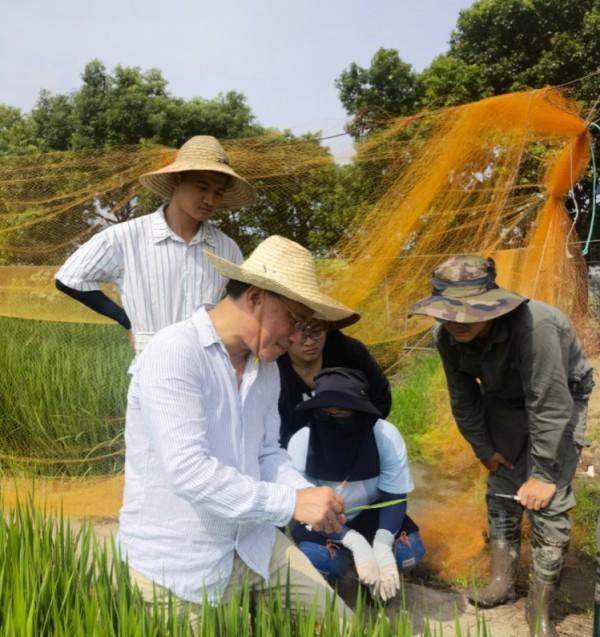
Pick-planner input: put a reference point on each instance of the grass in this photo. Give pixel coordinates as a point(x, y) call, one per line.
point(63, 392)
point(63, 395)
point(586, 514)
point(413, 409)
point(63, 389)
point(58, 581)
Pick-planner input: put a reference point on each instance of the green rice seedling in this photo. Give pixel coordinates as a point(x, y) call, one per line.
point(412, 405)
point(55, 580)
point(62, 396)
point(586, 514)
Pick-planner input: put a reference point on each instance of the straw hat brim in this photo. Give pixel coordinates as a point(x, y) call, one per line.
point(481, 307)
point(324, 307)
point(162, 182)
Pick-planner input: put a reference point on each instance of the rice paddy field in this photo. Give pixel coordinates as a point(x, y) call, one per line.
point(62, 400)
point(63, 390)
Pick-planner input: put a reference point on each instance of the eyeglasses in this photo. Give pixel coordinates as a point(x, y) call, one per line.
point(314, 330)
point(308, 326)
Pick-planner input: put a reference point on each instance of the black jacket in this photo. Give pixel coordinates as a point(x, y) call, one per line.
point(339, 351)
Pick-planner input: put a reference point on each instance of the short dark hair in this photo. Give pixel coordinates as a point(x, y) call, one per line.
point(235, 289)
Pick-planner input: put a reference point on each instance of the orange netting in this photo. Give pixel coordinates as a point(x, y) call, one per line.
point(488, 178)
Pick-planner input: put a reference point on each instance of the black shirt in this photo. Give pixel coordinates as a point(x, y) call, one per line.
point(339, 351)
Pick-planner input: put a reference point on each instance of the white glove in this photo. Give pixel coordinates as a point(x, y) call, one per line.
point(389, 578)
point(364, 557)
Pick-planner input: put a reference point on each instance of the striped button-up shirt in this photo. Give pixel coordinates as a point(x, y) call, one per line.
point(205, 476)
point(161, 278)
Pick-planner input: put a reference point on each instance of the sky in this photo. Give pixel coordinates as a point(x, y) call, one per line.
point(284, 55)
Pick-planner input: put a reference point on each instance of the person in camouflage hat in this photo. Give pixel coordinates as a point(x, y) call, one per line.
point(465, 291)
point(519, 386)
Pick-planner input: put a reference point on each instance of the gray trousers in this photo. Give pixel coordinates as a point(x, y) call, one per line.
point(550, 527)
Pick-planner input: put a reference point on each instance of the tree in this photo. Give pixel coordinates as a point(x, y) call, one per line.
point(129, 106)
point(500, 46)
point(15, 132)
point(388, 88)
point(305, 205)
point(132, 107)
point(497, 46)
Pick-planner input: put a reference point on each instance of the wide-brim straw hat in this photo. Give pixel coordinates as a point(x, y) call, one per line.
point(286, 268)
point(465, 291)
point(201, 152)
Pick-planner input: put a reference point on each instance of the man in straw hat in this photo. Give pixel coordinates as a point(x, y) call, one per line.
point(158, 260)
point(206, 482)
point(519, 385)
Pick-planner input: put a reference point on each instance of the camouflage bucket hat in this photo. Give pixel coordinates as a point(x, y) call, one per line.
point(465, 291)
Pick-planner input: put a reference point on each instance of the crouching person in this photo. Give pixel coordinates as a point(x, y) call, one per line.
point(206, 482)
point(348, 447)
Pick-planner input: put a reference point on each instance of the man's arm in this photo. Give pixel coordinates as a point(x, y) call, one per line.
point(548, 400)
point(98, 301)
point(465, 400)
point(173, 408)
point(96, 261)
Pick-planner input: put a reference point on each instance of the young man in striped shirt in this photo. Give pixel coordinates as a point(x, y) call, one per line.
point(157, 261)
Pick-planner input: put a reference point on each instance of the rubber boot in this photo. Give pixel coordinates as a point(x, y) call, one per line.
point(537, 609)
point(597, 620)
point(504, 563)
point(545, 569)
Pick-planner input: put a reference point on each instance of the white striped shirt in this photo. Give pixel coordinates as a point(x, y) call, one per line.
point(205, 476)
point(161, 278)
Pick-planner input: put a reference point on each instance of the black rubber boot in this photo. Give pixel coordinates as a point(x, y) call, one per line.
point(597, 620)
point(504, 563)
point(537, 609)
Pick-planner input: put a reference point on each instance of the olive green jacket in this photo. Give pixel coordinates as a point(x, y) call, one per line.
point(523, 389)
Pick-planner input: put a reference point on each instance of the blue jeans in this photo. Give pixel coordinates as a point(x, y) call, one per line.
point(333, 560)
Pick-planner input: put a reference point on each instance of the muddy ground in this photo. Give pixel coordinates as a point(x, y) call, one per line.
point(430, 601)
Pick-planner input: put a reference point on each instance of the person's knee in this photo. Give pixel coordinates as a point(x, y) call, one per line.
point(409, 551)
point(552, 530)
point(330, 560)
point(504, 521)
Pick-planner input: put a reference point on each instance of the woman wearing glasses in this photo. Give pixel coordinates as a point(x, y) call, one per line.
point(318, 346)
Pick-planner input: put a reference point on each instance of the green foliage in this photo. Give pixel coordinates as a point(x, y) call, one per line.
point(518, 44)
point(132, 107)
point(587, 513)
point(497, 46)
point(50, 404)
point(449, 81)
point(389, 87)
point(412, 407)
point(56, 580)
point(14, 130)
point(129, 106)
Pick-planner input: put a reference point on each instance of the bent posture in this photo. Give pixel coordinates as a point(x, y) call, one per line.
point(324, 346)
point(206, 482)
point(519, 386)
point(348, 447)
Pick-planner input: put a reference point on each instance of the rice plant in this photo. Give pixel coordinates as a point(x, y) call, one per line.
point(412, 405)
point(55, 580)
point(62, 395)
